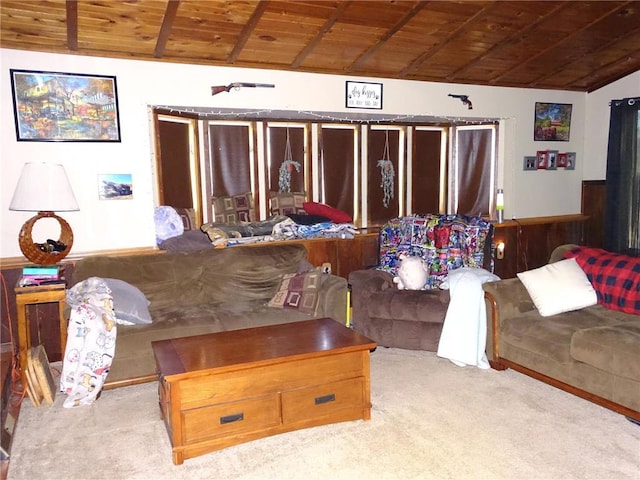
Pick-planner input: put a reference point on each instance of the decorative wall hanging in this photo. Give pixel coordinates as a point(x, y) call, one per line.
point(286, 167)
point(364, 95)
point(65, 107)
point(115, 186)
point(464, 99)
point(552, 122)
point(387, 173)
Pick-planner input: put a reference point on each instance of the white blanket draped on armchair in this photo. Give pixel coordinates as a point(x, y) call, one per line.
point(464, 333)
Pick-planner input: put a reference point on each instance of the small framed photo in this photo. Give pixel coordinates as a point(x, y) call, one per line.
point(363, 95)
point(552, 159)
point(562, 160)
point(530, 163)
point(118, 186)
point(541, 159)
point(571, 161)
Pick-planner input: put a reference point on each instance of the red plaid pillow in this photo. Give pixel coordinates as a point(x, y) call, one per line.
point(615, 277)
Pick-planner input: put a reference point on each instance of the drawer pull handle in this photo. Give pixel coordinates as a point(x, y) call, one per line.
point(236, 417)
point(325, 399)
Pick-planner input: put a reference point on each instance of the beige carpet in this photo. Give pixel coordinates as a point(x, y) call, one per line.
point(430, 420)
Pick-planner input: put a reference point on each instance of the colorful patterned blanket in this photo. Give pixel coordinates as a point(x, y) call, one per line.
point(444, 242)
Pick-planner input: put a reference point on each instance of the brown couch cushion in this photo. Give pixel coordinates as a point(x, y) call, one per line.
point(409, 305)
point(612, 348)
point(549, 336)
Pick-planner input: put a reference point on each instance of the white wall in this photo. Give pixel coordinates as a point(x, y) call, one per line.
point(101, 225)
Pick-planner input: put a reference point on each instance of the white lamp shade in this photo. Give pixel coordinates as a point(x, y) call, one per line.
point(43, 187)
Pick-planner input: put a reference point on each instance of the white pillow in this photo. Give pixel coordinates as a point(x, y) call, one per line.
point(559, 287)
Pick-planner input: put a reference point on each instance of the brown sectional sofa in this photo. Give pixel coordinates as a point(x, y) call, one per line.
point(203, 292)
point(593, 352)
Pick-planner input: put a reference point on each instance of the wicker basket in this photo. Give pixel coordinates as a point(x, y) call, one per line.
point(31, 250)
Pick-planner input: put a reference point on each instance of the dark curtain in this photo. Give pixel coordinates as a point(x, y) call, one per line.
point(622, 210)
point(229, 147)
point(278, 147)
point(425, 181)
point(378, 213)
point(337, 167)
point(474, 166)
point(175, 171)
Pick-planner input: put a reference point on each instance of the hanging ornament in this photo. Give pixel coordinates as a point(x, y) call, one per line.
point(286, 168)
point(387, 172)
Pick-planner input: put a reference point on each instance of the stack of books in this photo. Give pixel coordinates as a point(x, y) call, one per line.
point(41, 275)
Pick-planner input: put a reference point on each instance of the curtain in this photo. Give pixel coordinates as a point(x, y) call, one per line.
point(474, 167)
point(622, 209)
point(230, 158)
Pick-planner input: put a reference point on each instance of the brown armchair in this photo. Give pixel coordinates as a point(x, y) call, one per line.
point(413, 319)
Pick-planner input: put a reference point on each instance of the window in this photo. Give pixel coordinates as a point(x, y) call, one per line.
point(372, 171)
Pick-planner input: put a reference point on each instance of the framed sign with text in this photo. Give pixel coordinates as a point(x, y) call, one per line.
point(364, 95)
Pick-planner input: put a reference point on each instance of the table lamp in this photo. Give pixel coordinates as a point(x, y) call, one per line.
point(44, 188)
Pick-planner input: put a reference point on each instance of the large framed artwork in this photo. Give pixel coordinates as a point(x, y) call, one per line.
point(552, 122)
point(65, 107)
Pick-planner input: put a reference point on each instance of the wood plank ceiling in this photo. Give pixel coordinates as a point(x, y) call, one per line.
point(571, 45)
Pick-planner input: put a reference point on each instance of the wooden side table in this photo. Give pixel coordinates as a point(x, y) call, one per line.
point(36, 295)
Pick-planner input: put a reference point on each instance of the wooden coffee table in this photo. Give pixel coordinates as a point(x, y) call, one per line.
point(231, 387)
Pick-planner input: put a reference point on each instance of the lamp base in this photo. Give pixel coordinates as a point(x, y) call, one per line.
point(41, 256)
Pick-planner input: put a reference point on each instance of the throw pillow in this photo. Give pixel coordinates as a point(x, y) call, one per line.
point(614, 276)
point(333, 214)
point(299, 291)
point(233, 209)
point(188, 217)
point(285, 203)
point(130, 305)
point(559, 287)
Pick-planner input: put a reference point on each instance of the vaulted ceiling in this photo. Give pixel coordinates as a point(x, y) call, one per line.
point(571, 45)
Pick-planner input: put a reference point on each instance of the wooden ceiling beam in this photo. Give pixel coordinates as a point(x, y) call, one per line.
point(390, 33)
point(505, 43)
point(325, 28)
point(247, 30)
point(165, 29)
point(72, 25)
point(602, 47)
point(446, 41)
point(553, 46)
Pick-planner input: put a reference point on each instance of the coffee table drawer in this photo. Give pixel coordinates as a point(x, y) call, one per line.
point(230, 419)
point(322, 400)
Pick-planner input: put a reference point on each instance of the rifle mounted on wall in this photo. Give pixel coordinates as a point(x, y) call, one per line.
point(237, 86)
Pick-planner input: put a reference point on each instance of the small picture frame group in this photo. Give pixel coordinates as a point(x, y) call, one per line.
point(550, 160)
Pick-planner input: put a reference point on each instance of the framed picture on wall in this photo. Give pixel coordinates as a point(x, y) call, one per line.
point(571, 161)
point(529, 163)
point(552, 122)
point(541, 159)
point(65, 107)
point(363, 95)
point(115, 186)
point(562, 160)
point(552, 159)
